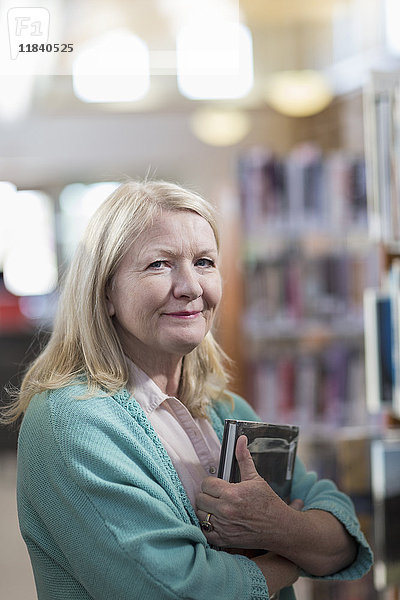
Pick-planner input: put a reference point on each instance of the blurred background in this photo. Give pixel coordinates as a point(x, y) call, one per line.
point(285, 115)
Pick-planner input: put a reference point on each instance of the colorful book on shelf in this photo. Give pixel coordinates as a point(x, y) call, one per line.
point(393, 285)
point(272, 447)
point(379, 359)
point(262, 189)
point(303, 191)
point(304, 170)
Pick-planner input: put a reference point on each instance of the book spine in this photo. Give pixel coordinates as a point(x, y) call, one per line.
point(229, 454)
point(304, 190)
point(325, 387)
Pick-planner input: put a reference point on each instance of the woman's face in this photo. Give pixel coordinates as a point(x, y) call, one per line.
point(167, 288)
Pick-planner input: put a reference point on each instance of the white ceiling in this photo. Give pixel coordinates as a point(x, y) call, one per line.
point(287, 34)
point(62, 139)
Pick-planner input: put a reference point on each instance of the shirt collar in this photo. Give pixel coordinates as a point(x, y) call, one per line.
point(144, 389)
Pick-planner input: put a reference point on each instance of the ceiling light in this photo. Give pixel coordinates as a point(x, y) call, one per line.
point(214, 60)
point(298, 93)
point(220, 127)
point(112, 68)
point(8, 193)
point(392, 16)
point(78, 202)
point(30, 264)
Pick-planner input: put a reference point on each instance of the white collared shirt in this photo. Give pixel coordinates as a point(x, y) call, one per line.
point(192, 444)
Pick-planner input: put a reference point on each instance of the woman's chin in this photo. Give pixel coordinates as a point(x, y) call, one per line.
point(181, 340)
point(185, 346)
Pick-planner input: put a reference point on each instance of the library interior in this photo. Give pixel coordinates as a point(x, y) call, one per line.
point(286, 116)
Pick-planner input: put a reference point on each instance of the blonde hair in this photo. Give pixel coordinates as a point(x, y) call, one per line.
point(84, 341)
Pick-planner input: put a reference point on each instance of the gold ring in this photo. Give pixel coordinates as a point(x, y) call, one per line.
point(206, 525)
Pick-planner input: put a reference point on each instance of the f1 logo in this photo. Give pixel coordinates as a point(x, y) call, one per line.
point(29, 24)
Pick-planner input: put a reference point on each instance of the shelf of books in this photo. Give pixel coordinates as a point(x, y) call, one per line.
point(382, 321)
point(308, 257)
point(307, 261)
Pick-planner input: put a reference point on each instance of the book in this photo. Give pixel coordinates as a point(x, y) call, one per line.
point(379, 359)
point(381, 105)
point(272, 447)
point(393, 284)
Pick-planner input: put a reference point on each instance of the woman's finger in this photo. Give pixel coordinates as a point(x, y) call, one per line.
point(297, 504)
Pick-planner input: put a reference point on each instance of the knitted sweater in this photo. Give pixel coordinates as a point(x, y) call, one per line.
point(105, 516)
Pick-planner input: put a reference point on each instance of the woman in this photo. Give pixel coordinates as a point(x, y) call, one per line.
point(123, 416)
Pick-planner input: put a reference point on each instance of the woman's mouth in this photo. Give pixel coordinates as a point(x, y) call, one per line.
point(184, 314)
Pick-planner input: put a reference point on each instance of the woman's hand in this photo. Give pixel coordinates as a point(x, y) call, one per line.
point(248, 514)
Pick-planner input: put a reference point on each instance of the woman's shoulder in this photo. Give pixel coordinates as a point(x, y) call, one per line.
point(72, 409)
point(61, 400)
point(233, 406)
point(79, 428)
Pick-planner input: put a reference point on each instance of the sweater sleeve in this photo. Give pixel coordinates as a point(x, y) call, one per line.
point(233, 407)
point(92, 499)
point(323, 494)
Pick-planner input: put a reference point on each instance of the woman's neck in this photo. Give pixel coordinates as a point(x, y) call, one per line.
point(166, 374)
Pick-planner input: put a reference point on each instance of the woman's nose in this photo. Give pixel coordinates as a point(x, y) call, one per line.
point(186, 283)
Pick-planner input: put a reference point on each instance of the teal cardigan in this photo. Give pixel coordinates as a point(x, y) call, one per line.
point(105, 516)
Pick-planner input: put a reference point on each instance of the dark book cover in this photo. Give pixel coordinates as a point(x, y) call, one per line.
point(379, 349)
point(272, 447)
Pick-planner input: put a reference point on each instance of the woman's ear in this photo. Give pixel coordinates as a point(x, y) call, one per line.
point(110, 307)
point(109, 302)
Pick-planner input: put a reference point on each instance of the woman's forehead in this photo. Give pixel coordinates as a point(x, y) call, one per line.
point(178, 226)
point(176, 232)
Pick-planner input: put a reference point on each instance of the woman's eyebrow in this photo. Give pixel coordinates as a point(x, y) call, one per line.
point(175, 252)
point(159, 251)
point(209, 251)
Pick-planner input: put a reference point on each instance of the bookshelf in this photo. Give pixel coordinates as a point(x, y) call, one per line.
point(307, 257)
point(301, 263)
point(382, 307)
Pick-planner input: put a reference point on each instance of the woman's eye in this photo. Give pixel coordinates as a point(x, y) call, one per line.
point(157, 264)
point(205, 262)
